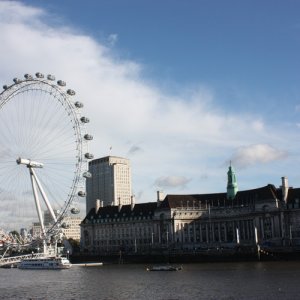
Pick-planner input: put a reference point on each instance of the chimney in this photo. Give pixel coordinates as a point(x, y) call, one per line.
point(132, 202)
point(97, 206)
point(120, 205)
point(160, 197)
point(284, 188)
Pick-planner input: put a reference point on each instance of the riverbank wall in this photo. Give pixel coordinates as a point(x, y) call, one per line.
point(210, 255)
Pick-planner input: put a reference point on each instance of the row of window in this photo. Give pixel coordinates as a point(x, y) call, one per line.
point(138, 218)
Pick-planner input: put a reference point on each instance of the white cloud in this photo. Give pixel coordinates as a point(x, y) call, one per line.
point(171, 181)
point(184, 134)
point(257, 154)
point(13, 12)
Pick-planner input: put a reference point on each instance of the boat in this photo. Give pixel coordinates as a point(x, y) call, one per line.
point(164, 268)
point(47, 262)
point(9, 266)
point(89, 264)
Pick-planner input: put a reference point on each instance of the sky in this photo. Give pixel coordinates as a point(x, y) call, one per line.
point(181, 88)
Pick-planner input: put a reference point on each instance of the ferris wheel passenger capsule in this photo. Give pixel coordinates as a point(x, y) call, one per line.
point(81, 193)
point(28, 76)
point(78, 104)
point(65, 226)
point(89, 155)
point(87, 174)
point(51, 77)
point(61, 83)
point(17, 80)
point(5, 87)
point(75, 210)
point(39, 75)
point(71, 92)
point(84, 120)
point(88, 137)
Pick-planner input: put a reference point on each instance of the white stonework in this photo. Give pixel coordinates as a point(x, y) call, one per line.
point(264, 216)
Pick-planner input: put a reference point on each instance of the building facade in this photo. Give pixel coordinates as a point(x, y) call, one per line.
point(71, 227)
point(110, 182)
point(262, 216)
point(112, 228)
point(72, 230)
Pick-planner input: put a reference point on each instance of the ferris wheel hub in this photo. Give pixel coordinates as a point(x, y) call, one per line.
point(29, 163)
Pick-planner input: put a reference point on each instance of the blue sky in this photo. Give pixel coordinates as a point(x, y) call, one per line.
point(246, 51)
point(178, 87)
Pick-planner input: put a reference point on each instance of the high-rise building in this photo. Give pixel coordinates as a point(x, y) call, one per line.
point(110, 182)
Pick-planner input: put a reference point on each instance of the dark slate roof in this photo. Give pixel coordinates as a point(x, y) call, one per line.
point(109, 212)
point(267, 192)
point(248, 197)
point(220, 199)
point(293, 195)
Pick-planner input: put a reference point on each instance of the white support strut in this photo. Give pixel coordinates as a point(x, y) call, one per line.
point(37, 202)
point(44, 196)
point(36, 185)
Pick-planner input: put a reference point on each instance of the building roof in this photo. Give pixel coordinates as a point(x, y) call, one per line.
point(110, 212)
point(202, 201)
point(107, 159)
point(220, 199)
point(293, 195)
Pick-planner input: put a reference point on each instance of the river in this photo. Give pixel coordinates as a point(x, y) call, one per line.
point(240, 280)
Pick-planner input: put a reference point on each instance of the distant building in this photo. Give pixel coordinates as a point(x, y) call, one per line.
point(36, 230)
point(110, 182)
point(72, 229)
point(23, 233)
point(262, 216)
point(48, 217)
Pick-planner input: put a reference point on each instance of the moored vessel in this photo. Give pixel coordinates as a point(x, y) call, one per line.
point(48, 262)
point(164, 268)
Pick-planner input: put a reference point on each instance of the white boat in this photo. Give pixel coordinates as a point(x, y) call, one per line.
point(48, 262)
point(164, 268)
point(89, 264)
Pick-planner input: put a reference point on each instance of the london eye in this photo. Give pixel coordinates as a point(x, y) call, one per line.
point(43, 153)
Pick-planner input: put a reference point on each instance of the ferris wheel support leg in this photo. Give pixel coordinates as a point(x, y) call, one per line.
point(37, 204)
point(44, 196)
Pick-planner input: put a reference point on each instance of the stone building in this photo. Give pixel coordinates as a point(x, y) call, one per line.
point(261, 216)
point(71, 230)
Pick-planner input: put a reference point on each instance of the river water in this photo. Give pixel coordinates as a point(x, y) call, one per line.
point(246, 280)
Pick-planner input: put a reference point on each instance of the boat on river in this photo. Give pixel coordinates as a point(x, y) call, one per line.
point(47, 262)
point(164, 268)
point(88, 264)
